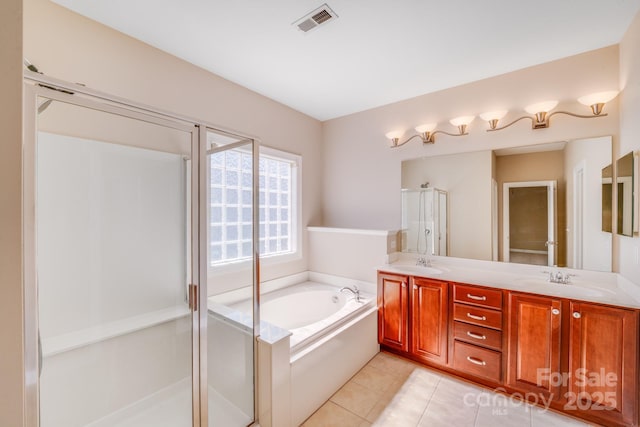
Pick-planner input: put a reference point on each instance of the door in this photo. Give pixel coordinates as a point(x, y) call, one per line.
point(429, 319)
point(119, 326)
point(114, 263)
point(231, 257)
point(529, 222)
point(393, 311)
point(603, 359)
point(534, 344)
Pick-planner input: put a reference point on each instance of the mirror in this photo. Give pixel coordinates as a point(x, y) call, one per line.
point(607, 198)
point(540, 204)
point(624, 184)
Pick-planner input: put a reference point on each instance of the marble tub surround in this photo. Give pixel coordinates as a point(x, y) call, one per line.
point(593, 286)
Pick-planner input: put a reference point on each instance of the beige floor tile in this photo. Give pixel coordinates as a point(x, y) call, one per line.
point(365, 424)
point(451, 390)
point(499, 410)
point(332, 415)
point(356, 398)
point(546, 418)
point(393, 364)
point(374, 378)
point(448, 414)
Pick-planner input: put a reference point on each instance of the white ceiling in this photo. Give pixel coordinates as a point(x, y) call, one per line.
point(375, 53)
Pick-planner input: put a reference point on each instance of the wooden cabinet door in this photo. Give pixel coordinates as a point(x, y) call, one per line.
point(393, 311)
point(603, 362)
point(429, 319)
point(533, 362)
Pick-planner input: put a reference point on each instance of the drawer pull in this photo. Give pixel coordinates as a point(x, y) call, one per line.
point(476, 297)
point(476, 336)
point(476, 361)
point(475, 317)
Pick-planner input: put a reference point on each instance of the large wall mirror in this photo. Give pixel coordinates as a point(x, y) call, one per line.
point(539, 204)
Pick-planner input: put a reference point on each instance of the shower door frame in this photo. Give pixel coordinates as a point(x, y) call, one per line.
point(36, 85)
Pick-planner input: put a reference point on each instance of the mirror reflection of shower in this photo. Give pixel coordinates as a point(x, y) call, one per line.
point(424, 221)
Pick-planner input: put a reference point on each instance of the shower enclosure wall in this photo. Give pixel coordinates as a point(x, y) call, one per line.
point(117, 267)
point(424, 221)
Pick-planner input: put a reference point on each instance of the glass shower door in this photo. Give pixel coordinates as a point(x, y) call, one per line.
point(231, 266)
point(114, 260)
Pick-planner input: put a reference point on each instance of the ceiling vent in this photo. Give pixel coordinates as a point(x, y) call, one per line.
point(312, 20)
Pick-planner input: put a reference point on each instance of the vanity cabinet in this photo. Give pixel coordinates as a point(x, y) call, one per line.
point(580, 357)
point(534, 344)
point(603, 359)
point(477, 331)
point(393, 311)
point(429, 319)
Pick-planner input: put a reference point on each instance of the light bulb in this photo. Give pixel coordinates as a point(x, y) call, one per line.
point(493, 115)
point(426, 128)
point(598, 98)
point(541, 107)
point(460, 121)
point(395, 134)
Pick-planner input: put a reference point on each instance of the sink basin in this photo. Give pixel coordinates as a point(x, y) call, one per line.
point(419, 270)
point(575, 288)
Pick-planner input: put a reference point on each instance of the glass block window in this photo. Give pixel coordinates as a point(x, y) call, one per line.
point(231, 197)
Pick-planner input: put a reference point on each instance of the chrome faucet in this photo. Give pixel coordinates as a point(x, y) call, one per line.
point(355, 291)
point(559, 277)
point(423, 261)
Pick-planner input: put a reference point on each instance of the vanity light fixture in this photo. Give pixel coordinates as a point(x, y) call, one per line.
point(540, 112)
point(427, 133)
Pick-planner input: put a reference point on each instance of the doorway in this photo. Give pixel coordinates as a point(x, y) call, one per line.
point(529, 222)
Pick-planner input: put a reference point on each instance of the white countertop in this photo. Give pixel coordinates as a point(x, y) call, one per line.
point(599, 287)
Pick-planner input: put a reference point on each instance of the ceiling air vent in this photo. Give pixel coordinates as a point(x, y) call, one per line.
point(317, 17)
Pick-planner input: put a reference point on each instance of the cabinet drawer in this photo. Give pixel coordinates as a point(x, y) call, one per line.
point(478, 335)
point(477, 296)
point(477, 316)
point(477, 361)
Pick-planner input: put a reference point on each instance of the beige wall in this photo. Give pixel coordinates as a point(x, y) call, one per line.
point(628, 248)
point(11, 366)
point(70, 47)
point(362, 174)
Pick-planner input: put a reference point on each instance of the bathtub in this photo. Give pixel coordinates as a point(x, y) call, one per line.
point(329, 338)
point(310, 310)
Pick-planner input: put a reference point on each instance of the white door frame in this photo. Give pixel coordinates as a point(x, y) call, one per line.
point(551, 211)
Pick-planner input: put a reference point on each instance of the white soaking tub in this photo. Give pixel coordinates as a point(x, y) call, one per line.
point(309, 310)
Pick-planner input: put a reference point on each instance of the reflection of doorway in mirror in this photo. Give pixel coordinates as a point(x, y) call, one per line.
point(529, 221)
point(624, 183)
point(578, 214)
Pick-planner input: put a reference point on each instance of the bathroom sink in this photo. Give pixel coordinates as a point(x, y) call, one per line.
point(419, 270)
point(574, 289)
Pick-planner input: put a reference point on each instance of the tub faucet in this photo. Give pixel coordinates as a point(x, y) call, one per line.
point(355, 291)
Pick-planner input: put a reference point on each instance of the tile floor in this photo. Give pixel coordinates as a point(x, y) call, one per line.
point(391, 391)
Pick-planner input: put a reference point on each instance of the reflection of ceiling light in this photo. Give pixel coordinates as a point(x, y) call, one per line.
point(540, 111)
point(426, 131)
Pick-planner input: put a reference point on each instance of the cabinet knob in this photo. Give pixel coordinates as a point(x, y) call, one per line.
point(555, 311)
point(404, 285)
point(576, 315)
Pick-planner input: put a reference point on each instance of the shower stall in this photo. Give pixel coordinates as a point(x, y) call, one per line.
point(119, 215)
point(424, 221)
